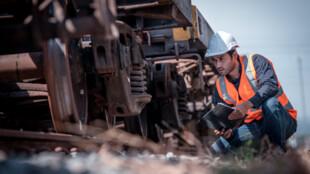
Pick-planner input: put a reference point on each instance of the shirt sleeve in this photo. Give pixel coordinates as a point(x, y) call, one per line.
point(266, 78)
point(215, 97)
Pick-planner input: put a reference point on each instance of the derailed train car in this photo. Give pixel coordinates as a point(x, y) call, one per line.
point(95, 64)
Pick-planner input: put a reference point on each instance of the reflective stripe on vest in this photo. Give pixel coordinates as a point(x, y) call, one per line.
point(225, 95)
point(230, 97)
point(249, 73)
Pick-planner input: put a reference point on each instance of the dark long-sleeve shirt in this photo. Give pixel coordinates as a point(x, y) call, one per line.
point(266, 78)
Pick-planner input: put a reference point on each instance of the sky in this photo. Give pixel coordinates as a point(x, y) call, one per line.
point(276, 29)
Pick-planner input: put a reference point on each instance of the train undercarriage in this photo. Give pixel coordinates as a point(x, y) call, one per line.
point(81, 67)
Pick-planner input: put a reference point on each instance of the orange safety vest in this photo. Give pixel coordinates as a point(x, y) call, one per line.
point(247, 88)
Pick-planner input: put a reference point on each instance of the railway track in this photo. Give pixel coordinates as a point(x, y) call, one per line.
point(14, 142)
point(34, 142)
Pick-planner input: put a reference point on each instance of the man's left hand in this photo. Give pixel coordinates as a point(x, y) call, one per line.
point(240, 110)
point(225, 134)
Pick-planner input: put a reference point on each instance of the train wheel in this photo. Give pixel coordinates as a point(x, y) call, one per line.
point(67, 87)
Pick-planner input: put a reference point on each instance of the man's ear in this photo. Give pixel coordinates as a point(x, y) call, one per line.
point(235, 55)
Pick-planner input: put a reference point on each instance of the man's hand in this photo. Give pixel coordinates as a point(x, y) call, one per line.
point(240, 110)
point(223, 133)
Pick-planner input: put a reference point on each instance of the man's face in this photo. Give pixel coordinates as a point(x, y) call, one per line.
point(224, 63)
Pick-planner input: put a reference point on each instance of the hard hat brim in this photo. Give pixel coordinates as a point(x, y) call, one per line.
point(220, 52)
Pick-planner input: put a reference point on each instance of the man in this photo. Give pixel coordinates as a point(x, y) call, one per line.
point(249, 84)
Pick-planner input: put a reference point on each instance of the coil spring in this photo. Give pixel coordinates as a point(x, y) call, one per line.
point(138, 79)
point(182, 108)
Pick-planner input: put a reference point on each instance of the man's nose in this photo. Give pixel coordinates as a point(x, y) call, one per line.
point(218, 64)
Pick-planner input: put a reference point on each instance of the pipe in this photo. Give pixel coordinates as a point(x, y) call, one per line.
point(188, 68)
point(136, 6)
point(184, 56)
point(200, 68)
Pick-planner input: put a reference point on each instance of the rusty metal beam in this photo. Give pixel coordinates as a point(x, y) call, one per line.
point(16, 67)
point(23, 94)
point(16, 86)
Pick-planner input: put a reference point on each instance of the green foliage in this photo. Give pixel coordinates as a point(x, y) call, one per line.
point(246, 152)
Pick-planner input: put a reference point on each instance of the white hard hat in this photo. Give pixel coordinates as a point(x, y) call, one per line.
point(220, 43)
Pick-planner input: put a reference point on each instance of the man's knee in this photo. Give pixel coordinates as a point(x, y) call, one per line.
point(220, 145)
point(271, 104)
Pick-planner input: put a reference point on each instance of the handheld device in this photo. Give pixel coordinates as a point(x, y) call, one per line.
point(217, 118)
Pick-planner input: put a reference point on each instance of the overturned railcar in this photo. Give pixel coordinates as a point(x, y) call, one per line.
point(81, 67)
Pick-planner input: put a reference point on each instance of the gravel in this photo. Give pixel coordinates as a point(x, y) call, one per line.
point(103, 162)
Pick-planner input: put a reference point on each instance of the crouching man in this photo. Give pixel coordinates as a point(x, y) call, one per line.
point(249, 84)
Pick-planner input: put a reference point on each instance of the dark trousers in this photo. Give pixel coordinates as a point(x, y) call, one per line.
point(277, 123)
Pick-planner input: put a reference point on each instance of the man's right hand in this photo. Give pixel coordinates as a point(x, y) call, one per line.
point(223, 133)
point(240, 110)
